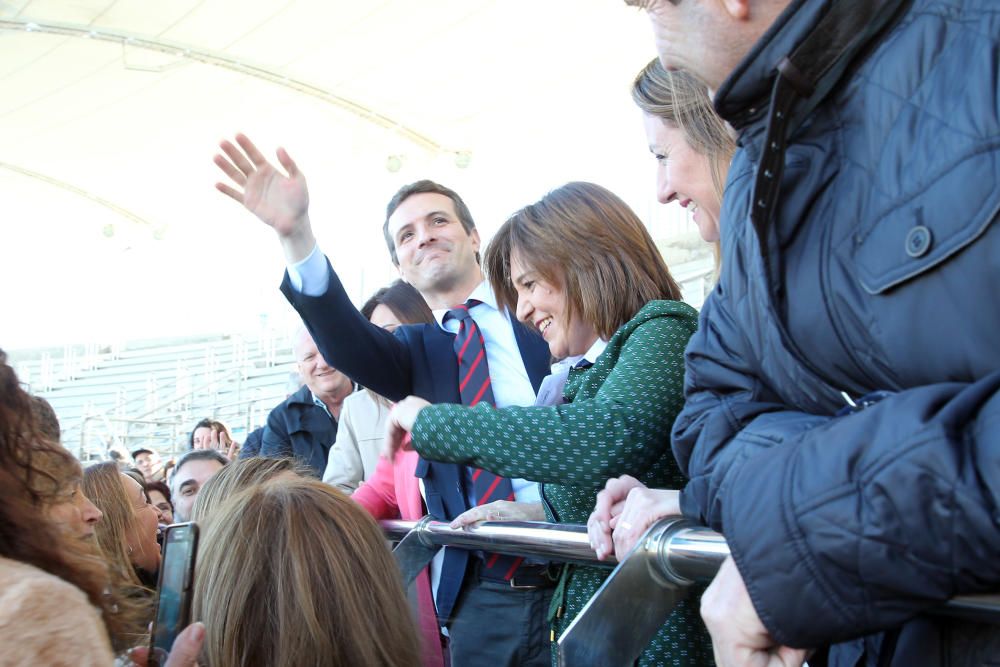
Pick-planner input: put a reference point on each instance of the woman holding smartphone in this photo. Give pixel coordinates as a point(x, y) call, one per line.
point(54, 605)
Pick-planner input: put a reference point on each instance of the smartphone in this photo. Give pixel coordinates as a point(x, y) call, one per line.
point(173, 599)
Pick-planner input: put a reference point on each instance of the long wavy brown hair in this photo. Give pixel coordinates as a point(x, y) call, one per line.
point(292, 572)
point(36, 471)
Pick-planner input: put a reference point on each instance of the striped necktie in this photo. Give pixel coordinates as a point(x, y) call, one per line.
point(475, 387)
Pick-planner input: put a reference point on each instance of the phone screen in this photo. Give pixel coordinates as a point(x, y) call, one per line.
point(173, 603)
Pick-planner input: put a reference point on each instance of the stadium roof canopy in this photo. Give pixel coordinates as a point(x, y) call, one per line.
point(110, 111)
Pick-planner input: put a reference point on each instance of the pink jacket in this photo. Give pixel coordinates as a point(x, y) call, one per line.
point(393, 491)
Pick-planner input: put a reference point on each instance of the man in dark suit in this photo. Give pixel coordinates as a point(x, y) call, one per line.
point(434, 243)
point(304, 425)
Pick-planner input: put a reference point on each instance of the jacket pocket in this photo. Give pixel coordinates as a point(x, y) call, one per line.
point(952, 209)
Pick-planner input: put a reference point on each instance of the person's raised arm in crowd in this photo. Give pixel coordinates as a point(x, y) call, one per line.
point(281, 200)
point(433, 242)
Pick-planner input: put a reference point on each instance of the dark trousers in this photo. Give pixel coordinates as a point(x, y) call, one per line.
point(494, 625)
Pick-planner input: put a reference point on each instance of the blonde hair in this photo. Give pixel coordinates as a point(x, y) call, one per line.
point(292, 572)
point(102, 484)
point(679, 99)
point(584, 239)
point(240, 475)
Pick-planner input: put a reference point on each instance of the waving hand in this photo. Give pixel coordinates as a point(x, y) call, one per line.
point(281, 201)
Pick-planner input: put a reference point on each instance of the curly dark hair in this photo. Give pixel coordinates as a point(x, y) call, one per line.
point(35, 472)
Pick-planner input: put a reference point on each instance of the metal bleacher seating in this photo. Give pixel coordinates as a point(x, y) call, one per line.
point(151, 393)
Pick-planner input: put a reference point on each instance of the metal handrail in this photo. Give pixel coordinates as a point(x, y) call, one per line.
point(565, 543)
point(635, 600)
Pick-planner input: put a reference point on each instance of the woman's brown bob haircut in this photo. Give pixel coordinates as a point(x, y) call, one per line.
point(292, 572)
point(584, 239)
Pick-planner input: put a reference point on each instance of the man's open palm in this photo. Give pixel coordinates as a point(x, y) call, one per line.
point(279, 200)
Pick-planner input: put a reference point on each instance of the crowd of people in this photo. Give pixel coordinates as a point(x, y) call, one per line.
point(840, 157)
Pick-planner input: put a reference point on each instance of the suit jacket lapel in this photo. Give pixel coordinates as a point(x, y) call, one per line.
point(439, 345)
point(443, 371)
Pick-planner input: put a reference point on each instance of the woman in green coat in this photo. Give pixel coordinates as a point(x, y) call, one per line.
point(580, 267)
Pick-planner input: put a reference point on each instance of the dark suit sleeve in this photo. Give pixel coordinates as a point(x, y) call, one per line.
point(364, 352)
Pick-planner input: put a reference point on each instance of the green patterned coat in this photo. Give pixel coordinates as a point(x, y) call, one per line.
point(616, 421)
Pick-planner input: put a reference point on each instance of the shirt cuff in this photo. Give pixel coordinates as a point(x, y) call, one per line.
point(309, 276)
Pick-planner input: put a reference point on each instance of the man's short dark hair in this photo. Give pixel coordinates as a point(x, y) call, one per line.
point(198, 455)
point(141, 450)
point(421, 187)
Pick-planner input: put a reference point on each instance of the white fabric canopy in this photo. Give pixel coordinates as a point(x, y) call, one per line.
point(110, 111)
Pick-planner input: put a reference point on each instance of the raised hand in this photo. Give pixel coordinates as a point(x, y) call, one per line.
point(281, 201)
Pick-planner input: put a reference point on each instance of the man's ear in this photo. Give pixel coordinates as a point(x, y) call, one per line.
point(738, 9)
point(474, 235)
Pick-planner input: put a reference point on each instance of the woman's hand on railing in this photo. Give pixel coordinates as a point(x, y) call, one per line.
point(610, 503)
point(643, 507)
point(500, 510)
point(739, 638)
point(624, 511)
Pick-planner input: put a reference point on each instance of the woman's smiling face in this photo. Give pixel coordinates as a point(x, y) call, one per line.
point(683, 175)
point(545, 307)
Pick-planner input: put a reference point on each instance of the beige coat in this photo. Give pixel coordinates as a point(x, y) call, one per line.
point(360, 433)
point(47, 621)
